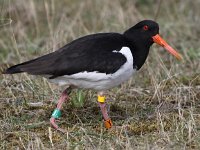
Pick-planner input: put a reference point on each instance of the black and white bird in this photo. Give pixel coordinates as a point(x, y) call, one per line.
point(98, 61)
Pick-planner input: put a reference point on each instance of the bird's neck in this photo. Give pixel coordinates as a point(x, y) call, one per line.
point(139, 52)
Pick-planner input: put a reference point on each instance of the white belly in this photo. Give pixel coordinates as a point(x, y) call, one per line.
point(100, 81)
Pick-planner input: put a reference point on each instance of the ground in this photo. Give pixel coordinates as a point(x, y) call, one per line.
point(157, 109)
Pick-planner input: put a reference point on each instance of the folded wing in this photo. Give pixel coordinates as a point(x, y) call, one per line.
point(89, 53)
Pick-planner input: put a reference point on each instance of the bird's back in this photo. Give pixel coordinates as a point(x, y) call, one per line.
point(79, 55)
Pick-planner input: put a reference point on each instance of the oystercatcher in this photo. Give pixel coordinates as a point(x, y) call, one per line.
point(98, 61)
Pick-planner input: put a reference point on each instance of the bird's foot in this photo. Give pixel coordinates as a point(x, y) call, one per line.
point(108, 123)
point(55, 115)
point(53, 123)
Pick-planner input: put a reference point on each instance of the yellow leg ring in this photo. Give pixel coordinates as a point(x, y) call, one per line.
point(101, 99)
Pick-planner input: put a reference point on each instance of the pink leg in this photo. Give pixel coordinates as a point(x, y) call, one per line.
point(102, 105)
point(104, 110)
point(57, 113)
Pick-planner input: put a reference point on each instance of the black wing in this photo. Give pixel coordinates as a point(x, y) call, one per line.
point(89, 53)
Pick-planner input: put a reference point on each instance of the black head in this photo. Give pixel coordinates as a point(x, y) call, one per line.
point(143, 32)
point(141, 37)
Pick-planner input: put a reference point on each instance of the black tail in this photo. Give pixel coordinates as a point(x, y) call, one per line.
point(13, 70)
point(32, 67)
point(38, 66)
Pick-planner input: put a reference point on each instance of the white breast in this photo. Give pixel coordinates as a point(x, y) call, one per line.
point(100, 81)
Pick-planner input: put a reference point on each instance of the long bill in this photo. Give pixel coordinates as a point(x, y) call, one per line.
point(157, 39)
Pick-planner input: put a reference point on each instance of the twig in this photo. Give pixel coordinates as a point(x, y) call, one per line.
point(158, 10)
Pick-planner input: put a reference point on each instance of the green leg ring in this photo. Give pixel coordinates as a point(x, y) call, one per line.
point(56, 113)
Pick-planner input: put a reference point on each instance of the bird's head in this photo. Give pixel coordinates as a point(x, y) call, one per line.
point(146, 33)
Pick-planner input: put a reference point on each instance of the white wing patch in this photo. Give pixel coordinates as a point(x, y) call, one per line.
point(100, 81)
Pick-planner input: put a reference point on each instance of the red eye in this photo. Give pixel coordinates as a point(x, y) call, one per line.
point(145, 27)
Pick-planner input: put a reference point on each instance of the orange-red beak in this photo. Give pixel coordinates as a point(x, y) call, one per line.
point(157, 39)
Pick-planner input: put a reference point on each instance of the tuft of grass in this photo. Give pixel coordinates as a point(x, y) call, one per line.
point(157, 109)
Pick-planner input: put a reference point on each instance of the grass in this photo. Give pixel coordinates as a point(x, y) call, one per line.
point(157, 109)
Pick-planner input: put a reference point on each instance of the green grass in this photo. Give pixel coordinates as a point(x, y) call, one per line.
point(157, 109)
